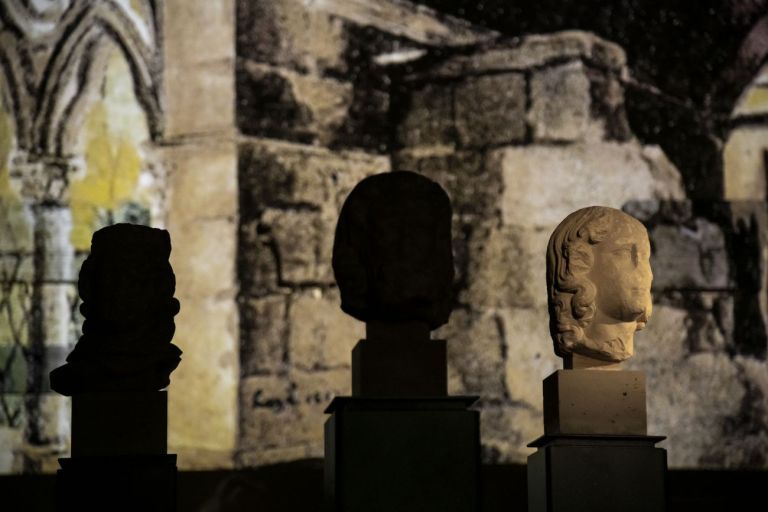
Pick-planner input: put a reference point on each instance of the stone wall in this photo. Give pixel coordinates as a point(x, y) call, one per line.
point(241, 125)
point(313, 111)
point(520, 135)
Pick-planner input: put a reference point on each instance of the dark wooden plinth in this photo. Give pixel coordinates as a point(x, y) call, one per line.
point(409, 455)
point(590, 473)
point(120, 423)
point(395, 368)
point(117, 483)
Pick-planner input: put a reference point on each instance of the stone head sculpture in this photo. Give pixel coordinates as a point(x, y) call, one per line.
point(598, 284)
point(392, 254)
point(127, 288)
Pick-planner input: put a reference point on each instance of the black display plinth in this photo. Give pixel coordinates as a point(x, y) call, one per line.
point(117, 483)
point(597, 473)
point(403, 454)
point(119, 459)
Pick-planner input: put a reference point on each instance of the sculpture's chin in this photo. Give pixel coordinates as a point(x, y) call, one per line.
point(614, 350)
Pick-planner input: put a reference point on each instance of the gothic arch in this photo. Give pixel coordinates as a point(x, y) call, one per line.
point(14, 87)
point(71, 66)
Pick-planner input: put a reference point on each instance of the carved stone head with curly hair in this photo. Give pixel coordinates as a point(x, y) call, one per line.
point(598, 284)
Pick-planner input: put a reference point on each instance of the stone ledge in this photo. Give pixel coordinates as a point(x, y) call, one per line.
point(532, 51)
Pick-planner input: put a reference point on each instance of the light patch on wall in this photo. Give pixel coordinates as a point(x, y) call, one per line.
point(114, 132)
point(755, 98)
point(14, 223)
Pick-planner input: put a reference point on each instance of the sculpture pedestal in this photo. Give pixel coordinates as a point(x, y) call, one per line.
point(396, 368)
point(593, 473)
point(117, 483)
point(595, 455)
point(403, 454)
point(119, 459)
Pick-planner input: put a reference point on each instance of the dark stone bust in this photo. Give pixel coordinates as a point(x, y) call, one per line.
point(392, 254)
point(127, 288)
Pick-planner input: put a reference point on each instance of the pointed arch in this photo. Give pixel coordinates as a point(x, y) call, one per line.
point(751, 56)
point(16, 92)
point(69, 67)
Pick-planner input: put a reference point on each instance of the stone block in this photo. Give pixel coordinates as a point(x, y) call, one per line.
point(472, 188)
point(278, 174)
point(303, 243)
point(321, 335)
point(476, 348)
point(203, 257)
point(367, 125)
point(199, 98)
point(668, 181)
point(279, 103)
point(596, 402)
point(202, 181)
point(426, 116)
point(506, 430)
point(691, 397)
point(196, 31)
point(265, 401)
point(490, 110)
point(692, 255)
point(561, 103)
point(202, 397)
point(505, 266)
point(264, 335)
point(264, 456)
point(607, 105)
point(745, 158)
point(288, 33)
point(530, 355)
point(286, 412)
point(257, 267)
point(543, 184)
point(535, 51)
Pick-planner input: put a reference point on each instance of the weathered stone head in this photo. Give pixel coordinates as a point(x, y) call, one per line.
point(392, 254)
point(598, 283)
point(127, 287)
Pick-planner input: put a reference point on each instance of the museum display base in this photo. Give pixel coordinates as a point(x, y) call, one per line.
point(117, 483)
point(403, 454)
point(597, 473)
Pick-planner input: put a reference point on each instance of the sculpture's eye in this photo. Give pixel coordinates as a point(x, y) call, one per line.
point(634, 254)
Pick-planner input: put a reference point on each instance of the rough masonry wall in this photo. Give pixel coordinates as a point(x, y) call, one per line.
point(313, 110)
point(520, 136)
point(242, 125)
point(520, 133)
point(297, 86)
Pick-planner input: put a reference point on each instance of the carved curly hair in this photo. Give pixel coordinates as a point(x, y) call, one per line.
point(570, 293)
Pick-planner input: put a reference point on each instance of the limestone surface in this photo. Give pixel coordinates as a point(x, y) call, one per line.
point(598, 284)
